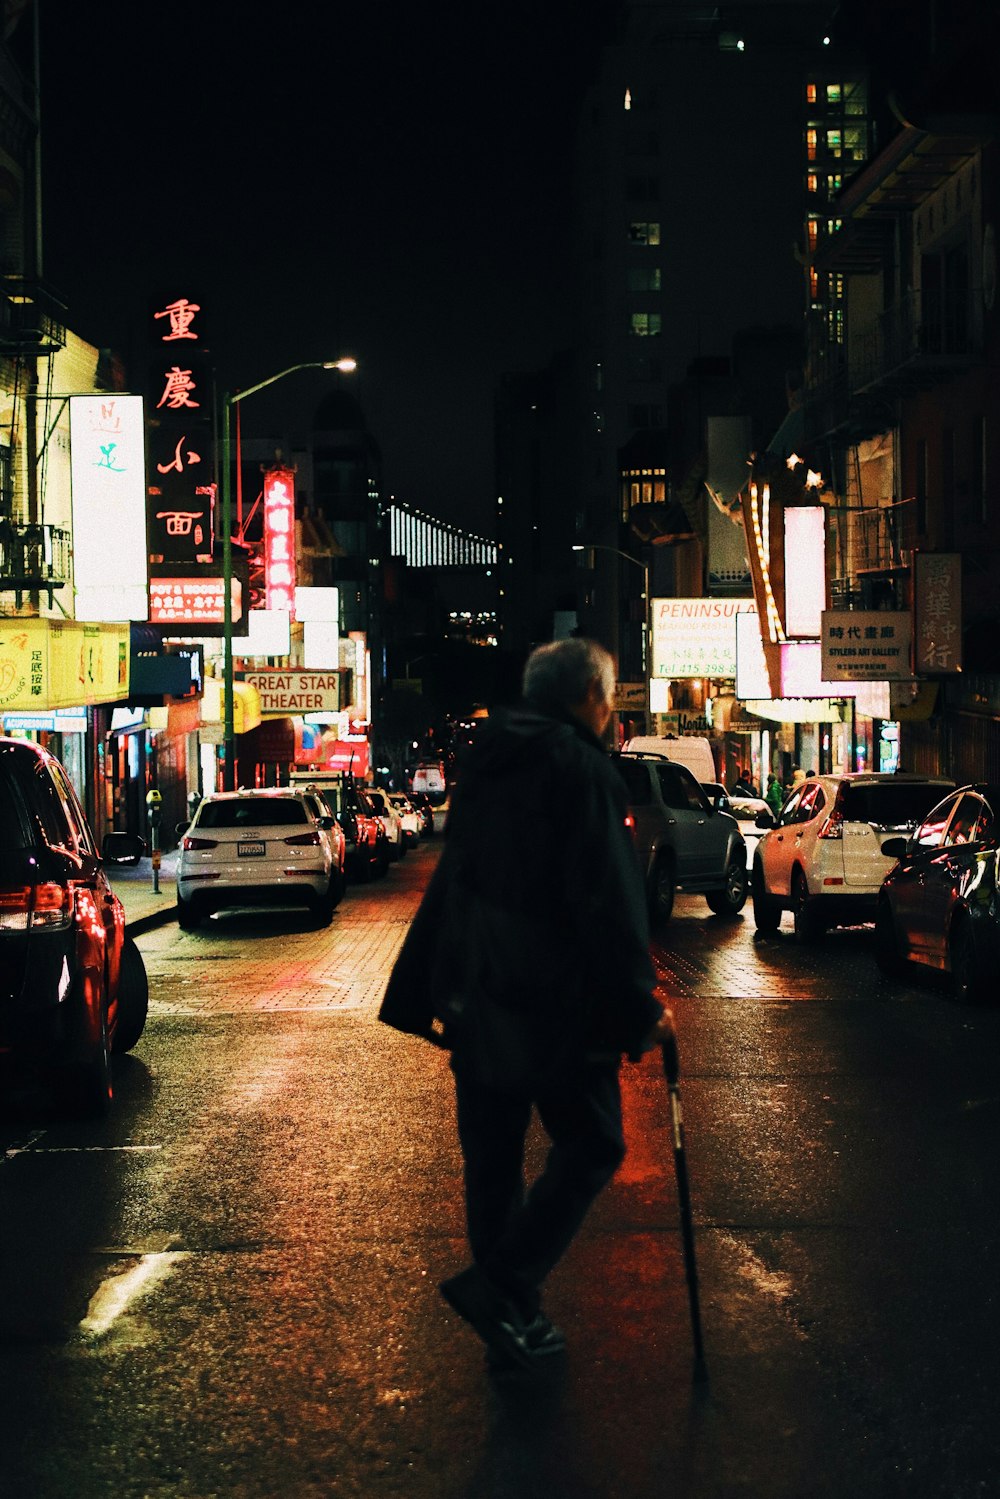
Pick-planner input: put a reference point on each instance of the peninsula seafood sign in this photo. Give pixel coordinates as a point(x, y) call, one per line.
point(696, 637)
point(283, 692)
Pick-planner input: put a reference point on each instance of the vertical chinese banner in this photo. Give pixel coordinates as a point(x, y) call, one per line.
point(109, 516)
point(279, 539)
point(180, 487)
point(938, 598)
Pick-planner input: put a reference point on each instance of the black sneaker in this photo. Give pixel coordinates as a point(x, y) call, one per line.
point(492, 1315)
point(543, 1339)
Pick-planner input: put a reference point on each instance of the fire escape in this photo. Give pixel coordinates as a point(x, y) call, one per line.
point(34, 557)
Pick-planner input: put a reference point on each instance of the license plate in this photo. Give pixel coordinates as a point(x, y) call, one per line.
point(250, 850)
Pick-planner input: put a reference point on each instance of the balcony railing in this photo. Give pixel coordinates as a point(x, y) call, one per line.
point(32, 318)
point(33, 559)
point(872, 550)
point(924, 338)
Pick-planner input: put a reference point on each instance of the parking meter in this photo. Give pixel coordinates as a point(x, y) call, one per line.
point(154, 812)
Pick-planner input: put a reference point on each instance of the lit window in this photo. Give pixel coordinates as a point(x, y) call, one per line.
point(645, 324)
point(811, 138)
point(834, 93)
point(835, 142)
point(833, 226)
point(833, 183)
point(628, 98)
point(813, 283)
point(812, 183)
point(644, 278)
point(812, 231)
point(811, 93)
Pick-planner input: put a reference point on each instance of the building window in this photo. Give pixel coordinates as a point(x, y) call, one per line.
point(834, 93)
point(646, 324)
point(641, 233)
point(812, 232)
point(644, 278)
point(812, 136)
point(812, 93)
point(979, 467)
point(644, 369)
point(642, 189)
point(812, 183)
point(835, 142)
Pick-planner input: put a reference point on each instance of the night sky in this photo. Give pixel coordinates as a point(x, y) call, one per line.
point(386, 179)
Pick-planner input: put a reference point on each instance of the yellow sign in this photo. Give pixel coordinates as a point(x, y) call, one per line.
point(50, 663)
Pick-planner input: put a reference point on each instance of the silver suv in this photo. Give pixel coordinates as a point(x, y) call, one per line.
point(684, 841)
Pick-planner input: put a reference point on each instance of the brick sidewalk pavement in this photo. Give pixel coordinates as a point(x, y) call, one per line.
point(144, 908)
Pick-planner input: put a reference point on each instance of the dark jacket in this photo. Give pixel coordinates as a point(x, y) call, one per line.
point(536, 914)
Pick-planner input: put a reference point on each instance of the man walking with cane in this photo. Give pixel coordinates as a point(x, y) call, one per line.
point(531, 949)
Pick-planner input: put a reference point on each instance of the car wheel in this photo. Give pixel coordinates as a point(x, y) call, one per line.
point(322, 906)
point(661, 890)
point(731, 899)
point(887, 955)
point(381, 865)
point(91, 1083)
point(809, 924)
point(188, 919)
point(133, 998)
point(766, 910)
point(964, 978)
point(337, 886)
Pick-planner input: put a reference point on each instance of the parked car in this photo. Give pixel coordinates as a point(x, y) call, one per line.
point(691, 750)
point(824, 858)
point(746, 810)
point(717, 795)
point(429, 777)
point(940, 906)
point(325, 812)
point(410, 817)
point(366, 855)
point(683, 842)
point(73, 986)
point(390, 819)
point(425, 810)
point(260, 847)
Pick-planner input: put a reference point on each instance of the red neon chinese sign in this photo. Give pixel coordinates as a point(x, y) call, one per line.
point(279, 539)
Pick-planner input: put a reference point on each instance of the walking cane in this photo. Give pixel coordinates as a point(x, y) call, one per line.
point(672, 1071)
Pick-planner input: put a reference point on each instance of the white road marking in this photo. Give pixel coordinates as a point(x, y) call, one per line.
point(117, 1293)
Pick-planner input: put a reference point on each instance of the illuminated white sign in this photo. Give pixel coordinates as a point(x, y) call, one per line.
point(868, 645)
point(697, 637)
point(296, 691)
point(805, 569)
point(110, 556)
point(320, 643)
point(268, 634)
point(317, 605)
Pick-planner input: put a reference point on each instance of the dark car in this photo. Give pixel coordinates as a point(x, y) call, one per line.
point(939, 906)
point(73, 987)
point(367, 845)
point(683, 840)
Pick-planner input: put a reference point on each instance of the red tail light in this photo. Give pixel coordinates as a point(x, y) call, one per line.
point(834, 826)
point(190, 843)
point(630, 822)
point(48, 906)
point(311, 839)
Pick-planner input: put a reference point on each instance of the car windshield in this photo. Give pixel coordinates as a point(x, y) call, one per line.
point(898, 805)
point(258, 812)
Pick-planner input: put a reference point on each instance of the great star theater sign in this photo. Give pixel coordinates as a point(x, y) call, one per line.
point(295, 691)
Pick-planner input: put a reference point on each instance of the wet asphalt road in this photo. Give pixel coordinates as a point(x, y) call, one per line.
point(229, 1288)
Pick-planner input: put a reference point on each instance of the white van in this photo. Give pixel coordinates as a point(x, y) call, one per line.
point(429, 777)
point(692, 750)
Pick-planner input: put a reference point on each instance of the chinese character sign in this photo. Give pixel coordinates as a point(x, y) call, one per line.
point(109, 512)
point(181, 482)
point(190, 601)
point(939, 612)
point(866, 645)
point(279, 539)
point(696, 637)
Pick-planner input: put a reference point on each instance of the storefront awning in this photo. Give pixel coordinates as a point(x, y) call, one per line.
point(246, 705)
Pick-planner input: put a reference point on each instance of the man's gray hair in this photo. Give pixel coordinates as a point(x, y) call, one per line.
point(560, 672)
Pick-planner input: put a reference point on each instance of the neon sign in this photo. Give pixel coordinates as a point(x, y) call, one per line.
point(279, 539)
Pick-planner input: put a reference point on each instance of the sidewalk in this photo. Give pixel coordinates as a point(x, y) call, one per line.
point(134, 888)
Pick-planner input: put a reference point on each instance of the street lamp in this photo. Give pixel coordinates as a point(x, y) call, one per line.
point(647, 632)
point(346, 365)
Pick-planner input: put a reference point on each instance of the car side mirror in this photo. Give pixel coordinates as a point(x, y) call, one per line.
point(326, 823)
point(122, 849)
point(895, 848)
point(180, 828)
point(765, 820)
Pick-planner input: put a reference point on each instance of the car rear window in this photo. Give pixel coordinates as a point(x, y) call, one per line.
point(902, 805)
point(15, 825)
point(262, 812)
point(635, 774)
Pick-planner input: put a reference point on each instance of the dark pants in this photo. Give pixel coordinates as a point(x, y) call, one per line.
point(516, 1238)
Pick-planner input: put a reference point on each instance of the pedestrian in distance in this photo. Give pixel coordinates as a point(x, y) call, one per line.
point(775, 794)
point(530, 962)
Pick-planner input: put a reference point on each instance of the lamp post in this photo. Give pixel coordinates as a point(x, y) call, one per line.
point(647, 629)
point(228, 402)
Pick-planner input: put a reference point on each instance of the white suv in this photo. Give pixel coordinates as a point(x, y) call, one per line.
point(822, 858)
point(263, 847)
